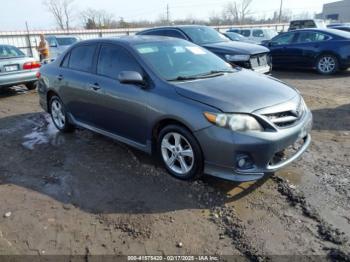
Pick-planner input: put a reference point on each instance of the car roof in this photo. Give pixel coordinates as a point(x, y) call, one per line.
point(131, 40)
point(322, 30)
point(175, 27)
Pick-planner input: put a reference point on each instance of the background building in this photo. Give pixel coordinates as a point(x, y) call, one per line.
point(337, 11)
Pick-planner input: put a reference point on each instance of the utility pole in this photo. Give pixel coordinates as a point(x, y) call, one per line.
point(280, 15)
point(167, 14)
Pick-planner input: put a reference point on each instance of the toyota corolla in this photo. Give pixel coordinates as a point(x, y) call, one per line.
point(180, 101)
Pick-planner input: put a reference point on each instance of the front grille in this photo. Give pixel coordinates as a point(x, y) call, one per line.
point(287, 118)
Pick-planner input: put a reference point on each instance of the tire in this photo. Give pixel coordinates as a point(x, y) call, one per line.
point(180, 153)
point(59, 116)
point(32, 85)
point(327, 64)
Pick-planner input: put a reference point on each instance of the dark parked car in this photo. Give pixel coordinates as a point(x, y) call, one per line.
point(170, 96)
point(342, 28)
point(326, 50)
point(17, 68)
point(246, 55)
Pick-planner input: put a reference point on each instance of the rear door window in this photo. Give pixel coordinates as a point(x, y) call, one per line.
point(114, 59)
point(82, 57)
point(161, 32)
point(309, 37)
point(284, 39)
point(175, 33)
point(258, 33)
point(245, 33)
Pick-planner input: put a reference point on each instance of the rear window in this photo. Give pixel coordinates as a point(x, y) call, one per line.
point(302, 24)
point(81, 58)
point(66, 41)
point(10, 52)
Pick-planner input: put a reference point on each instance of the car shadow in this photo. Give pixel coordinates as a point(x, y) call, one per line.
point(97, 174)
point(306, 74)
point(332, 119)
point(13, 91)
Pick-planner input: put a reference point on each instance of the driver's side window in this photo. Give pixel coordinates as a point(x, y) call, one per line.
point(283, 39)
point(114, 59)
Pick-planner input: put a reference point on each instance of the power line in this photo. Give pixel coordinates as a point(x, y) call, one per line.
point(280, 15)
point(167, 14)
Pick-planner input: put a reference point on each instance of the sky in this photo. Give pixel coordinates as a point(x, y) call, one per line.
point(14, 13)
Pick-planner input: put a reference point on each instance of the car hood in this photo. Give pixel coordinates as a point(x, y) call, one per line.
point(235, 47)
point(241, 92)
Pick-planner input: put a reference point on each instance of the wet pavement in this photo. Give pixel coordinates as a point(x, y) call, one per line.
point(82, 193)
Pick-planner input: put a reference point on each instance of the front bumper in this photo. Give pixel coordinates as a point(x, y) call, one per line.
point(222, 147)
point(20, 77)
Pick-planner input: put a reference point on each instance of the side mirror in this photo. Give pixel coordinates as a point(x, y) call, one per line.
point(131, 77)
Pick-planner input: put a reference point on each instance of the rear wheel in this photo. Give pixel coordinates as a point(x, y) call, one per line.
point(180, 153)
point(32, 85)
point(59, 115)
point(327, 64)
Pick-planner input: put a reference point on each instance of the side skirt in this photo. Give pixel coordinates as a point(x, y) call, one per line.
point(145, 148)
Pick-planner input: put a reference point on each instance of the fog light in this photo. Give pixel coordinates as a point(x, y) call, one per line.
point(244, 162)
point(241, 163)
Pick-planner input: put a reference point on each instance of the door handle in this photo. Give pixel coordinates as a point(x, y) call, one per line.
point(60, 77)
point(95, 86)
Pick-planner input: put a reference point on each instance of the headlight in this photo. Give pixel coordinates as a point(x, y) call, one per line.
point(236, 58)
point(235, 122)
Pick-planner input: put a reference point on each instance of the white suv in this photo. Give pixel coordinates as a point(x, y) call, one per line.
point(258, 35)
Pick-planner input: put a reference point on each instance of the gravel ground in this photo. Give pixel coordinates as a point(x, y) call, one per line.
point(85, 194)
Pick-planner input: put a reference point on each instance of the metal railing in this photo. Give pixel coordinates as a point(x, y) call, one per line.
point(28, 41)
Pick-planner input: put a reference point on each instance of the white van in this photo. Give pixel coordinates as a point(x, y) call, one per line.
point(258, 35)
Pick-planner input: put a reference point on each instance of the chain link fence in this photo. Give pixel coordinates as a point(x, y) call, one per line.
point(28, 41)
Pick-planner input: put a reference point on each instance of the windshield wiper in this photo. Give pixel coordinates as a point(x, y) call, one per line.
point(213, 73)
point(183, 78)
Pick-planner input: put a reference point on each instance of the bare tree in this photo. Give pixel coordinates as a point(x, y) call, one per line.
point(98, 19)
point(61, 11)
point(237, 11)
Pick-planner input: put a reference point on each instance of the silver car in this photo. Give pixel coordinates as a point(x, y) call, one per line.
point(58, 44)
point(17, 68)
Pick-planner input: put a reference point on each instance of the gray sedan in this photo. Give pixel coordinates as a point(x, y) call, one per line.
point(178, 100)
point(17, 68)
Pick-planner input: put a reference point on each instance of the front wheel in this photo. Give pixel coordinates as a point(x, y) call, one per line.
point(59, 115)
point(327, 64)
point(180, 153)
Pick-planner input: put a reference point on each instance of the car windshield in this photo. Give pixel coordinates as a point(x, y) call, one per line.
point(64, 41)
point(181, 60)
point(10, 52)
point(204, 35)
point(235, 36)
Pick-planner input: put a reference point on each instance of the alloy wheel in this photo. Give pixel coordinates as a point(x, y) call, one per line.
point(177, 153)
point(327, 64)
point(58, 115)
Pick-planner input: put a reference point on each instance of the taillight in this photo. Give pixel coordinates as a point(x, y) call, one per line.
point(31, 65)
point(38, 75)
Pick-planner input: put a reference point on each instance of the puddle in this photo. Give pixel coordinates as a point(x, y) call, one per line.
point(44, 132)
point(293, 176)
